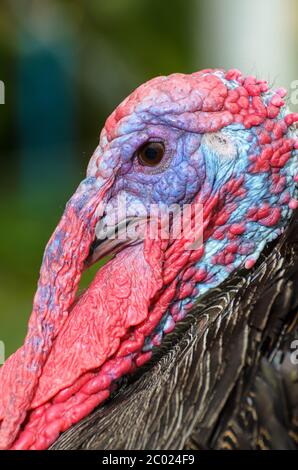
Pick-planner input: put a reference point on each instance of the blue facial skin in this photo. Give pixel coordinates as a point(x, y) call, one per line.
point(190, 166)
point(178, 177)
point(194, 163)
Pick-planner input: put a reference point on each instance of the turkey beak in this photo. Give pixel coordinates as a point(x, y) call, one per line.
point(110, 239)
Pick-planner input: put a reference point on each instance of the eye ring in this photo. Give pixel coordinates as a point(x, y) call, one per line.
point(151, 153)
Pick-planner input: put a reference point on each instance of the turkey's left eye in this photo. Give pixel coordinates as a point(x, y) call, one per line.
point(151, 153)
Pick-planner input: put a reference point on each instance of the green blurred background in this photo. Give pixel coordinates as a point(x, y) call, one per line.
point(67, 64)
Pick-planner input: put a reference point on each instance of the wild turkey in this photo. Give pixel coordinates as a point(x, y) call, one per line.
point(187, 345)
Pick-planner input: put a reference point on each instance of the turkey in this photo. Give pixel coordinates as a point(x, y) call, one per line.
point(185, 339)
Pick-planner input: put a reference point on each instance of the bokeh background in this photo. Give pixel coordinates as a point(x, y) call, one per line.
point(67, 64)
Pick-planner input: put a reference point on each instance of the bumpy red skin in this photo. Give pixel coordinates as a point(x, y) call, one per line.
point(69, 363)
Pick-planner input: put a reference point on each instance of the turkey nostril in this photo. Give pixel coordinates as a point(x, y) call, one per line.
point(110, 239)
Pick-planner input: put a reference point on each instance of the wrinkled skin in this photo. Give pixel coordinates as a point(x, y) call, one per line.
point(229, 145)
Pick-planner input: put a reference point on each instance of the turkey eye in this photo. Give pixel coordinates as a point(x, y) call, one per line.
point(151, 153)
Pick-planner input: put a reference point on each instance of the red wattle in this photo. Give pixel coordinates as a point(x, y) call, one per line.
point(117, 300)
